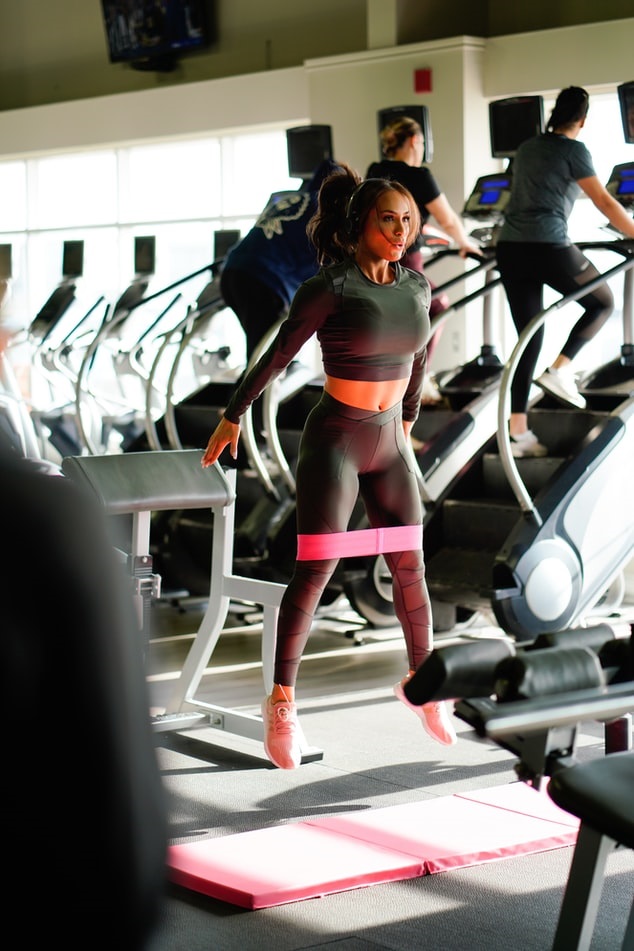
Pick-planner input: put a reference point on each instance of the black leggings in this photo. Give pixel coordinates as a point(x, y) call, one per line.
point(255, 304)
point(345, 451)
point(526, 268)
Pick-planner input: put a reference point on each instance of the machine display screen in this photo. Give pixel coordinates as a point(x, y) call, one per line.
point(494, 183)
point(490, 196)
point(621, 184)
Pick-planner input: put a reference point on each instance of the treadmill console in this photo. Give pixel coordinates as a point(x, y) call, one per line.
point(621, 184)
point(53, 310)
point(489, 197)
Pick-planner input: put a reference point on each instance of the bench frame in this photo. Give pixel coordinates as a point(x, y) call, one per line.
point(143, 482)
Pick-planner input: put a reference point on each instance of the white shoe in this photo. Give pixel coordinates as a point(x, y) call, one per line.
point(281, 743)
point(434, 716)
point(562, 385)
point(526, 445)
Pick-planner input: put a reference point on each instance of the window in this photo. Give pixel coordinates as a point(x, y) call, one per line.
point(181, 192)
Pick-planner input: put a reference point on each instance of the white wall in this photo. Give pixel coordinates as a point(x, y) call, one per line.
point(347, 92)
point(272, 98)
point(591, 55)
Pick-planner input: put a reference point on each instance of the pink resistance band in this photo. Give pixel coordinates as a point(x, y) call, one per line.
point(364, 541)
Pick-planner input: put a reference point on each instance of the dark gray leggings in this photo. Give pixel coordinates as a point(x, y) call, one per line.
point(526, 268)
point(344, 452)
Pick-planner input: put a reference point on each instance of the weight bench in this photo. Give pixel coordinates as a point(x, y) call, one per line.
point(140, 483)
point(601, 795)
point(532, 701)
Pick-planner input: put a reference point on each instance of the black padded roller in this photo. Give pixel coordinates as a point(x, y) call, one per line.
point(594, 637)
point(458, 671)
point(554, 670)
point(617, 659)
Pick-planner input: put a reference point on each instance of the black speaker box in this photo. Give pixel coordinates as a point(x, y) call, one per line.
point(73, 259)
point(144, 254)
point(308, 146)
point(626, 105)
point(419, 113)
point(6, 270)
point(512, 121)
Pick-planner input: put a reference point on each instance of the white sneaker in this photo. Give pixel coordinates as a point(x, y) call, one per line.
point(281, 743)
point(434, 716)
point(526, 445)
point(562, 385)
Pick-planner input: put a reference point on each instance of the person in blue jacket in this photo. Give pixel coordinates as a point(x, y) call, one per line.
point(264, 269)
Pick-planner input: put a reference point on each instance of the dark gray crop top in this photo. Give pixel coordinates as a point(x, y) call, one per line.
point(366, 331)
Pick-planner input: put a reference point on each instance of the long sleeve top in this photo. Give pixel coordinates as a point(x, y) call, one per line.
point(366, 331)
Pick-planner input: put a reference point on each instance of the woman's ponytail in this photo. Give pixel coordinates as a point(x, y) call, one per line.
point(571, 106)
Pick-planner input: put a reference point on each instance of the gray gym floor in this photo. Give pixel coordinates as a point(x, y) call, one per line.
point(375, 754)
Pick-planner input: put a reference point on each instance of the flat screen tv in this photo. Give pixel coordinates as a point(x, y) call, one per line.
point(419, 113)
point(154, 34)
point(144, 254)
point(73, 259)
point(626, 103)
point(6, 270)
point(307, 147)
point(511, 121)
point(223, 240)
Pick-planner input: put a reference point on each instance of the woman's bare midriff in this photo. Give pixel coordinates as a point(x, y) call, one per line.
point(377, 396)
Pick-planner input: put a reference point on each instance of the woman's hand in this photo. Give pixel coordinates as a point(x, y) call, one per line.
point(226, 433)
point(469, 247)
point(450, 222)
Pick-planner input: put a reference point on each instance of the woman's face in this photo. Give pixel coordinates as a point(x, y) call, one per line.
point(387, 227)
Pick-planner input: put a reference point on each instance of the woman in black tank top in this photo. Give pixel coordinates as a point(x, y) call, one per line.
point(403, 145)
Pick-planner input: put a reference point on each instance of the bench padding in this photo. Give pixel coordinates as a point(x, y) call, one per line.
point(150, 481)
point(600, 794)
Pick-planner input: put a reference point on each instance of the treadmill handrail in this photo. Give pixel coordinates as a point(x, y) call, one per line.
point(151, 430)
point(483, 291)
point(509, 465)
point(187, 329)
point(170, 287)
point(485, 263)
point(254, 454)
